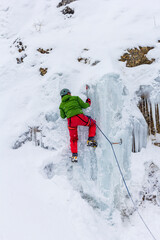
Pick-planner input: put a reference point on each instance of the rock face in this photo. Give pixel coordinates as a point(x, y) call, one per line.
point(65, 2)
point(85, 59)
point(68, 10)
point(43, 71)
point(95, 63)
point(21, 50)
point(47, 51)
point(88, 61)
point(19, 45)
point(20, 59)
point(136, 57)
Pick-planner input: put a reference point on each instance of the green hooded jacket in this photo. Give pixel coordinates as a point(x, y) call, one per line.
point(71, 106)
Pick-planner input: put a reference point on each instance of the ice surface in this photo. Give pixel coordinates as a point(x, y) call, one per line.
point(140, 133)
point(98, 167)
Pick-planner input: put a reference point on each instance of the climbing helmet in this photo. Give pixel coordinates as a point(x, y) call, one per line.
point(64, 92)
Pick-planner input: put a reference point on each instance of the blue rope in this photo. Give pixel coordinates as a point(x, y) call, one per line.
point(129, 194)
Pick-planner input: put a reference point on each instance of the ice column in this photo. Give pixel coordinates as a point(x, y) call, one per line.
point(107, 100)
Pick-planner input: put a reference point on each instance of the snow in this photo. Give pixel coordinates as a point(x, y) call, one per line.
point(41, 208)
point(83, 201)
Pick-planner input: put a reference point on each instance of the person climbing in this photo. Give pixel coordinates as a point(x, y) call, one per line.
point(71, 107)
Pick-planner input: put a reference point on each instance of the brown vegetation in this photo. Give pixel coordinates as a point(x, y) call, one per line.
point(136, 56)
point(47, 51)
point(43, 71)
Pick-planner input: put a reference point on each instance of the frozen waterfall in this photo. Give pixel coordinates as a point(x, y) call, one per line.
point(98, 167)
point(96, 175)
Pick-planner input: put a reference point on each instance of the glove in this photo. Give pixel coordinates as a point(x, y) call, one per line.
point(88, 101)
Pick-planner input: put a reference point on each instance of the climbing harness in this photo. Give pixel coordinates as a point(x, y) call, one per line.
point(87, 123)
point(129, 194)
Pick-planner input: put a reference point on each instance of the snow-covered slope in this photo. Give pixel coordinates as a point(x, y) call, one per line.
point(42, 195)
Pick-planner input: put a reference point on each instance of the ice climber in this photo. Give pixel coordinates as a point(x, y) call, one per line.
point(71, 107)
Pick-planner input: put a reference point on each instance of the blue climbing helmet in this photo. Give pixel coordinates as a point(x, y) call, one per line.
point(64, 92)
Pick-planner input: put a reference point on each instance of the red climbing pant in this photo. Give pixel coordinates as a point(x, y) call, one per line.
point(73, 123)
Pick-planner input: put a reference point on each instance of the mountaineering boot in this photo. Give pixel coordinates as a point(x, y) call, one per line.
point(91, 142)
point(74, 157)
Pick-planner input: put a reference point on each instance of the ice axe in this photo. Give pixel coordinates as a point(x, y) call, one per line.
point(87, 88)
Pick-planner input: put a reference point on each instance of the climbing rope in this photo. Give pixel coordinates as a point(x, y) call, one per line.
point(129, 194)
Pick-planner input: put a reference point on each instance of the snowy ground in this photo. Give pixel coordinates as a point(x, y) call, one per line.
point(31, 205)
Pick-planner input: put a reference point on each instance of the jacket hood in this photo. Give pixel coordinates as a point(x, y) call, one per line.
point(66, 98)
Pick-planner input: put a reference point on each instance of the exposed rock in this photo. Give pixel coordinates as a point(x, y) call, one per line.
point(20, 60)
point(95, 63)
point(65, 2)
point(43, 71)
point(88, 61)
point(68, 10)
point(47, 51)
point(21, 49)
point(156, 144)
point(84, 60)
point(136, 57)
point(19, 45)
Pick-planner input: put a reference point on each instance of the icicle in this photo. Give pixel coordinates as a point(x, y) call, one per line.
point(133, 141)
point(148, 116)
point(154, 116)
point(157, 118)
point(139, 135)
point(151, 121)
point(149, 106)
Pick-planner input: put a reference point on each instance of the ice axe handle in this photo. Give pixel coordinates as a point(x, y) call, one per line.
point(87, 88)
point(120, 142)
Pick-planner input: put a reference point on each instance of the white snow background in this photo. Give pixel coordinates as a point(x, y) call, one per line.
point(33, 207)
